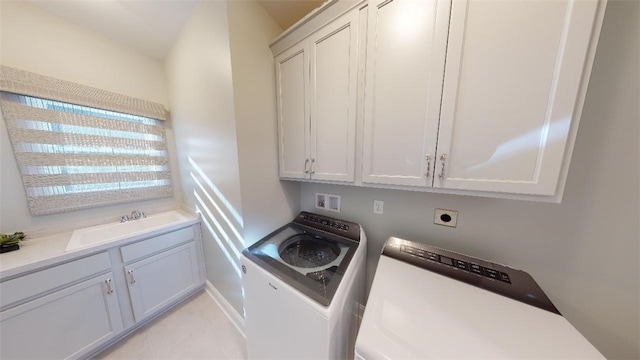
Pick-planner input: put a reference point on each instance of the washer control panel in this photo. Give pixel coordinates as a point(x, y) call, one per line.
point(335, 226)
point(500, 279)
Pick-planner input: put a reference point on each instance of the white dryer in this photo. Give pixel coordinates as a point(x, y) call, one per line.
point(303, 289)
point(430, 303)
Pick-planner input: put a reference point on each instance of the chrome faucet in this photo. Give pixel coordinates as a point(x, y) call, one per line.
point(135, 215)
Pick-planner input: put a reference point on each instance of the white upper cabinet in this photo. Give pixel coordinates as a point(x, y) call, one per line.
point(406, 47)
point(292, 74)
point(469, 97)
point(334, 60)
point(511, 92)
point(496, 115)
point(316, 93)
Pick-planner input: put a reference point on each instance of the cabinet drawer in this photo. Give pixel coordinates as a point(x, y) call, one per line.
point(155, 244)
point(42, 281)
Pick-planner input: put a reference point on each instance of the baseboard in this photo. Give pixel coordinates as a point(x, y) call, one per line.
point(232, 314)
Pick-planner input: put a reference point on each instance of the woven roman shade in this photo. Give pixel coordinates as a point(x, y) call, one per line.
point(27, 83)
point(73, 156)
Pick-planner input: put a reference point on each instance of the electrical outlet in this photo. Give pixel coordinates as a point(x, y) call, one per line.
point(446, 217)
point(333, 203)
point(328, 202)
point(321, 201)
point(378, 207)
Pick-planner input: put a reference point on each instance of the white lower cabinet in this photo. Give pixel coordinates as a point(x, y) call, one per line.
point(65, 324)
point(161, 279)
point(73, 309)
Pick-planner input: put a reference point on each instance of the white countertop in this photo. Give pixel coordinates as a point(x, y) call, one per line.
point(45, 251)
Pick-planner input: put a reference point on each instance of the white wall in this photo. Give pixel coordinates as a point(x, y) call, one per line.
point(267, 203)
point(37, 41)
point(584, 252)
point(220, 158)
point(198, 72)
point(34, 40)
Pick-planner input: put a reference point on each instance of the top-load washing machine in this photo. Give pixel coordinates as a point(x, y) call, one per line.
point(430, 303)
point(303, 289)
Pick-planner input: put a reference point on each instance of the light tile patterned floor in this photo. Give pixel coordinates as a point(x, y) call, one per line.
point(195, 329)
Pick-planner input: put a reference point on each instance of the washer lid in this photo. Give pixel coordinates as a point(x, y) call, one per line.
point(413, 313)
point(309, 260)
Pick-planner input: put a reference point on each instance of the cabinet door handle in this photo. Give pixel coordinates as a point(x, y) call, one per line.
point(443, 158)
point(109, 288)
point(313, 171)
point(428, 158)
point(306, 162)
point(132, 279)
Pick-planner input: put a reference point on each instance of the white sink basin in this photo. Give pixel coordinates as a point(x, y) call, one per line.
point(96, 235)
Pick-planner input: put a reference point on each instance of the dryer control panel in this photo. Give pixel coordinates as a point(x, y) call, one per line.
point(500, 279)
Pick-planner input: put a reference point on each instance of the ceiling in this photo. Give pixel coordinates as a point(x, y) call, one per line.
point(288, 12)
point(149, 26)
point(152, 26)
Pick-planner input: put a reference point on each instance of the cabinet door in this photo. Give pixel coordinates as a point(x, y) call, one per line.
point(334, 60)
point(406, 44)
point(64, 324)
point(292, 85)
point(511, 91)
point(159, 280)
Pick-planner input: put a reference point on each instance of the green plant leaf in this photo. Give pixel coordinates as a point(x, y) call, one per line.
point(11, 239)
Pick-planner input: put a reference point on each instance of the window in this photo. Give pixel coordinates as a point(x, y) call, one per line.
point(73, 156)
